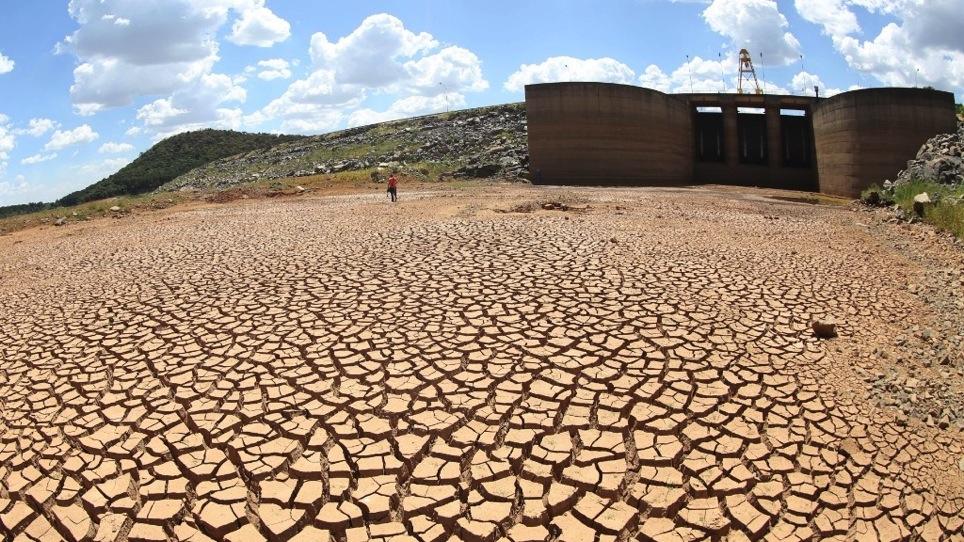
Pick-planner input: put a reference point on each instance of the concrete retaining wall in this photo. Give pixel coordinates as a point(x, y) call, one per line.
point(867, 136)
point(599, 133)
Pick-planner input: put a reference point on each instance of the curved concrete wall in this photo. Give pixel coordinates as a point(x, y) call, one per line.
point(867, 136)
point(600, 133)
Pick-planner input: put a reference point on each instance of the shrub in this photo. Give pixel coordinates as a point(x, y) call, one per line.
point(876, 196)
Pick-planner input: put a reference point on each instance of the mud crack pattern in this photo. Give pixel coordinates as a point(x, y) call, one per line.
point(339, 370)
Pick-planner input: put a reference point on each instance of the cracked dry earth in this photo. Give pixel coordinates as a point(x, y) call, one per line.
point(337, 368)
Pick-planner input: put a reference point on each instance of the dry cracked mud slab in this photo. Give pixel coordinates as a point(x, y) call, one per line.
point(342, 369)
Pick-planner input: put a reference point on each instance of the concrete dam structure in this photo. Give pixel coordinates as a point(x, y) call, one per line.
point(610, 134)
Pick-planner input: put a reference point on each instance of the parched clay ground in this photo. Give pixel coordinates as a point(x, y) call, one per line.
point(338, 368)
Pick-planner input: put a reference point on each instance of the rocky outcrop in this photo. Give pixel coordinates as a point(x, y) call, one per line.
point(486, 142)
point(940, 159)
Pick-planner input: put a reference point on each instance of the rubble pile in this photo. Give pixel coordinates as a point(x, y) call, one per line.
point(940, 159)
point(475, 143)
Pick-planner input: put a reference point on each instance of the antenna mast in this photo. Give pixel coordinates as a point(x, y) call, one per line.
point(747, 71)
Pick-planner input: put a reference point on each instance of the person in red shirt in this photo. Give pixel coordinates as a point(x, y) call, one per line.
point(393, 187)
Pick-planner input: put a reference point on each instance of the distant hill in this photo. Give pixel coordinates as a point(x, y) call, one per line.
point(23, 208)
point(162, 163)
point(172, 157)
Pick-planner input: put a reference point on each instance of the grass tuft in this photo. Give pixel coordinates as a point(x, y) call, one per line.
point(945, 213)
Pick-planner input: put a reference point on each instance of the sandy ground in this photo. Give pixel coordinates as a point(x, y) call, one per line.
point(638, 367)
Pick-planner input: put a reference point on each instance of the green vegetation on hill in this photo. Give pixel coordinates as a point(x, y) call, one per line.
point(22, 209)
point(161, 163)
point(170, 158)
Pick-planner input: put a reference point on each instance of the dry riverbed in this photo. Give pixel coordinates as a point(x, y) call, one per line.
point(623, 364)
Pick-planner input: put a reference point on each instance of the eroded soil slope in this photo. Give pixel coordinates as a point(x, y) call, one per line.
point(640, 366)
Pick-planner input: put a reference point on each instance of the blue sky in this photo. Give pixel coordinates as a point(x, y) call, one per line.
point(87, 85)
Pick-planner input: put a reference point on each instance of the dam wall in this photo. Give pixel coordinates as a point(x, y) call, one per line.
point(589, 133)
point(865, 137)
point(610, 134)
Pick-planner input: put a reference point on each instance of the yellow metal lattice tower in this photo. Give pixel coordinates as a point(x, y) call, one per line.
point(746, 72)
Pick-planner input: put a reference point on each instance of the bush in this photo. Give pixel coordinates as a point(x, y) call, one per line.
point(876, 196)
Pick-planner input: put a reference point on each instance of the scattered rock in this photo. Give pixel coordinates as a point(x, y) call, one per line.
point(300, 188)
point(824, 328)
point(479, 170)
point(62, 221)
point(115, 209)
point(940, 159)
point(921, 201)
point(495, 146)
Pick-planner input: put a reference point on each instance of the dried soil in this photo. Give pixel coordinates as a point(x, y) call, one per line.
point(341, 367)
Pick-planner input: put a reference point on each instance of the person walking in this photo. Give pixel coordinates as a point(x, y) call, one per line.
point(393, 187)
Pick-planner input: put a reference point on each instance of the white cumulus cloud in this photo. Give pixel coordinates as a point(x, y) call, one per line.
point(39, 127)
point(833, 15)
point(165, 45)
point(259, 26)
point(7, 140)
point(452, 68)
point(380, 56)
point(127, 50)
point(115, 148)
point(38, 158)
point(311, 105)
point(803, 83)
point(756, 25)
point(202, 104)
point(62, 139)
point(370, 55)
point(924, 45)
point(701, 75)
point(407, 107)
point(567, 68)
point(96, 170)
point(275, 68)
point(9, 189)
point(696, 75)
point(6, 64)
